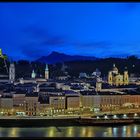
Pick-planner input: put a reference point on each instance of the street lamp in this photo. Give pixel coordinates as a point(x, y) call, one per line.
point(106, 117)
point(135, 115)
point(97, 117)
point(114, 116)
point(124, 116)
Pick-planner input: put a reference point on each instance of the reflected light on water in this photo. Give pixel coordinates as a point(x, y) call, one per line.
point(109, 130)
point(51, 132)
point(83, 132)
point(115, 131)
point(70, 132)
point(128, 132)
point(90, 133)
point(124, 131)
point(135, 130)
point(13, 132)
point(73, 131)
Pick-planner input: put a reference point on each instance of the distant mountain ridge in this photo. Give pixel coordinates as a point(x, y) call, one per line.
point(56, 57)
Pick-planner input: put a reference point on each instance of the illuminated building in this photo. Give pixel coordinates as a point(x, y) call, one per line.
point(96, 73)
point(44, 109)
point(57, 103)
point(72, 103)
point(6, 104)
point(31, 104)
point(46, 72)
point(115, 78)
point(44, 106)
point(98, 84)
point(90, 101)
point(18, 101)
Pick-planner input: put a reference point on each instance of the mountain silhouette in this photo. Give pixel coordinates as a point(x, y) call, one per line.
point(56, 57)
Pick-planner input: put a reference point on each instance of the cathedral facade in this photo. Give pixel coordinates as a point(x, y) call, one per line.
point(117, 79)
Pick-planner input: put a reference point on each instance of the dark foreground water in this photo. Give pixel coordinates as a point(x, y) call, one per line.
point(72, 131)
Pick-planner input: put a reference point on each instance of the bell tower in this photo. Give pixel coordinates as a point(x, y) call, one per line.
point(110, 78)
point(33, 74)
point(98, 84)
point(12, 72)
point(126, 77)
point(46, 72)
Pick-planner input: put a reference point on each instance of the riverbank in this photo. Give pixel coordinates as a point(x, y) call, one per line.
point(63, 121)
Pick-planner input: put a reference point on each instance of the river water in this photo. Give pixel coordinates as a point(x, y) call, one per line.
point(72, 131)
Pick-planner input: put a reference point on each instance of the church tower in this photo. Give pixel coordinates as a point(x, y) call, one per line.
point(110, 78)
point(33, 74)
point(126, 77)
point(98, 84)
point(46, 72)
point(12, 72)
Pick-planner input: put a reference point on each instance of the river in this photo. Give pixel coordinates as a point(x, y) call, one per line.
point(132, 130)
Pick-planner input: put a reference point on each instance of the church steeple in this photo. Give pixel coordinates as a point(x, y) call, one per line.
point(46, 69)
point(125, 68)
point(12, 72)
point(46, 72)
point(33, 74)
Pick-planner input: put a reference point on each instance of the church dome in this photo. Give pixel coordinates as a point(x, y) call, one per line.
point(115, 69)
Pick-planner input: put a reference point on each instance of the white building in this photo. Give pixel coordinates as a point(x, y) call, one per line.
point(12, 73)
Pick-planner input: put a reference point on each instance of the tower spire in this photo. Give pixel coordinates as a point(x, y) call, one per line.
point(46, 67)
point(33, 75)
point(46, 72)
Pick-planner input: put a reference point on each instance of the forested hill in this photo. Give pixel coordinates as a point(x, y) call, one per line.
point(24, 68)
point(104, 65)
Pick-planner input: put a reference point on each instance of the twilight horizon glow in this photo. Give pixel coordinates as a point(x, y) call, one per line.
point(32, 30)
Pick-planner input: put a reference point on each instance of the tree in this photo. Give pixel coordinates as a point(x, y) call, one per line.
point(132, 57)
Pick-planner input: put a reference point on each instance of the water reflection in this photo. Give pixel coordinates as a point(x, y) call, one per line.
point(70, 132)
point(83, 131)
point(73, 131)
point(135, 130)
point(51, 132)
point(14, 132)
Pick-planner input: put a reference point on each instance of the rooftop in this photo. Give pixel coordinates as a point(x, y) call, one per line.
point(32, 94)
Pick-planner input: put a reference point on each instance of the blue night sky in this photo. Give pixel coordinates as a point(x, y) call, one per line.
point(31, 30)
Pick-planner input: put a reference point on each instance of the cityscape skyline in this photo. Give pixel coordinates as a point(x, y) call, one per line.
point(32, 30)
point(69, 69)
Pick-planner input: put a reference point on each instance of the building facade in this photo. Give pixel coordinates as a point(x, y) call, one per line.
point(31, 105)
point(72, 103)
point(117, 79)
point(57, 104)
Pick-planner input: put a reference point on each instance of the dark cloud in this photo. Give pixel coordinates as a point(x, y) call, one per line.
point(41, 42)
point(99, 44)
point(36, 32)
point(55, 41)
point(34, 53)
point(44, 37)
